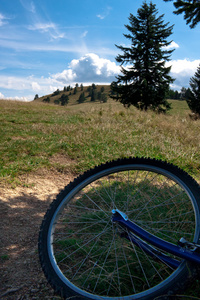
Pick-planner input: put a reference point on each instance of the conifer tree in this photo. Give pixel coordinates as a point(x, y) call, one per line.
point(81, 98)
point(104, 98)
point(145, 81)
point(193, 99)
point(190, 8)
point(47, 99)
point(75, 90)
point(64, 99)
point(93, 95)
point(89, 90)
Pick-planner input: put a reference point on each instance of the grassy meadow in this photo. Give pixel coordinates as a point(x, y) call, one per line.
point(74, 138)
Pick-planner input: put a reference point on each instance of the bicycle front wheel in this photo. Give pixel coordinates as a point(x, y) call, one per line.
point(85, 255)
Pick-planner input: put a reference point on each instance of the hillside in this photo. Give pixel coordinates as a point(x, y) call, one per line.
point(34, 133)
point(100, 93)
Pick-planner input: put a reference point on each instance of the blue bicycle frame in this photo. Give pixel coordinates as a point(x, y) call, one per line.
point(139, 237)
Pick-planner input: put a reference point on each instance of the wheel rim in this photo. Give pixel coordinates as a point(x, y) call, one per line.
point(85, 247)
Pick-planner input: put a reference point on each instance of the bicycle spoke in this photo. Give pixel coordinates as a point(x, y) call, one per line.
point(102, 267)
point(128, 268)
point(100, 196)
point(82, 246)
point(140, 264)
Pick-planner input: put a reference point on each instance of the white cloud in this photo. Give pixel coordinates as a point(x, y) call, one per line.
point(27, 85)
point(16, 98)
point(35, 86)
point(43, 27)
point(65, 76)
point(184, 66)
point(30, 83)
point(84, 34)
point(182, 70)
point(1, 96)
point(101, 17)
point(74, 45)
point(28, 5)
point(173, 45)
point(105, 13)
point(89, 68)
point(49, 27)
point(28, 46)
point(28, 98)
point(2, 19)
point(32, 7)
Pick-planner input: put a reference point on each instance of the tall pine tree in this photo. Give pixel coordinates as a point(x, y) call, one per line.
point(193, 100)
point(145, 80)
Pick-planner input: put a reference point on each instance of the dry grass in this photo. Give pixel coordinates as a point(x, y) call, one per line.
point(92, 133)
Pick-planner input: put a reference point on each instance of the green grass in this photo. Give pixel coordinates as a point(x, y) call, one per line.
point(33, 134)
point(179, 107)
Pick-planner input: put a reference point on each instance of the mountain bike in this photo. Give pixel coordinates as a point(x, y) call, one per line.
point(128, 229)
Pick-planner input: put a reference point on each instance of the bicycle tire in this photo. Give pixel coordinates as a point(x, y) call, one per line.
point(83, 254)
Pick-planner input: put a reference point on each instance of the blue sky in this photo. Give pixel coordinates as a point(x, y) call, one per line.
point(49, 44)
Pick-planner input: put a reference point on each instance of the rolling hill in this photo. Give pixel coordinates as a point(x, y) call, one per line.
point(71, 95)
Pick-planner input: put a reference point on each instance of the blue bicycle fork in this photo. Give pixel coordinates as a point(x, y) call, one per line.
point(140, 237)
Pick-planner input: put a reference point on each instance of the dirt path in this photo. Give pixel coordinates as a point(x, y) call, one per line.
point(21, 213)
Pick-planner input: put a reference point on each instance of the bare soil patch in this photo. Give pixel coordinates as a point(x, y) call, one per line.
point(21, 213)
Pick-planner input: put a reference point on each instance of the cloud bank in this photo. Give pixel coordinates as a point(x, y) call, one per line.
point(91, 68)
point(14, 98)
point(88, 69)
point(182, 70)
